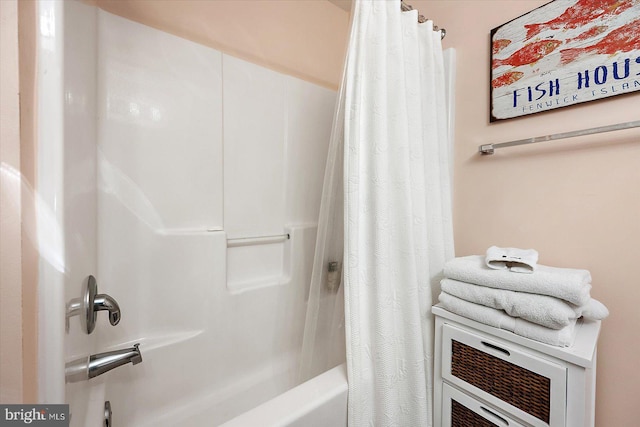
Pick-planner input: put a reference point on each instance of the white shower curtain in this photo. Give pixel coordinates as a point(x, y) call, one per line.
point(397, 209)
point(390, 232)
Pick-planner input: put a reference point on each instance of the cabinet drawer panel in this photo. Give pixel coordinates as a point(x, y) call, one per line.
point(526, 386)
point(510, 383)
point(461, 410)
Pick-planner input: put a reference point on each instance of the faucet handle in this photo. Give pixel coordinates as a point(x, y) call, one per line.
point(88, 305)
point(105, 302)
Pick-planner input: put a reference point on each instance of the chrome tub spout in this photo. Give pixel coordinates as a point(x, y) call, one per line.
point(98, 364)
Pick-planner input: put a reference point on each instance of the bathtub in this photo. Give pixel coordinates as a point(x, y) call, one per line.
point(319, 402)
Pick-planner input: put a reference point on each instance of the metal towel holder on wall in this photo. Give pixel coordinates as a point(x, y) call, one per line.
point(490, 148)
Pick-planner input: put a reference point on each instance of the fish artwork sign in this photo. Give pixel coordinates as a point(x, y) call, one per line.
point(563, 53)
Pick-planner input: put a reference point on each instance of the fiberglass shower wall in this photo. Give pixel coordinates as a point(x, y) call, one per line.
point(195, 147)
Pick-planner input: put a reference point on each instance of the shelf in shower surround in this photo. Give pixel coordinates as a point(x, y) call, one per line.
point(266, 265)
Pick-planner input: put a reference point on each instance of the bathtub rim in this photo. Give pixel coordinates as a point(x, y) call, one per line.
point(285, 409)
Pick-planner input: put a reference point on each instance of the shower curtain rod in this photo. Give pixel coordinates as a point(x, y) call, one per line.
point(407, 7)
point(490, 148)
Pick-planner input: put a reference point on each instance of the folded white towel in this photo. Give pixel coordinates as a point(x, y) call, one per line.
point(513, 259)
point(544, 310)
point(499, 319)
point(569, 284)
point(595, 310)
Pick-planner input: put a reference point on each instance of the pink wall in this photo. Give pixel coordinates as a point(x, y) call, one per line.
point(10, 247)
point(18, 256)
point(577, 201)
point(306, 39)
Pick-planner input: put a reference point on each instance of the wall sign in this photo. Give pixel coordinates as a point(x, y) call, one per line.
point(563, 53)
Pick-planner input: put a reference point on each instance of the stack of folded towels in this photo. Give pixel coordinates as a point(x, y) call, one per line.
point(507, 289)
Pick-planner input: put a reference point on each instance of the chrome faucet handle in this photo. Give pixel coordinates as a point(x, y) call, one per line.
point(105, 302)
point(88, 305)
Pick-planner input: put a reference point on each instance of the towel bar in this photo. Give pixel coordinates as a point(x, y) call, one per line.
point(490, 148)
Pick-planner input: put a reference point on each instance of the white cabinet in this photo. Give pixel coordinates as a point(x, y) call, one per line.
point(486, 376)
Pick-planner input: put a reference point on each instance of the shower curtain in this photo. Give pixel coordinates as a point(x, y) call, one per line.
point(391, 129)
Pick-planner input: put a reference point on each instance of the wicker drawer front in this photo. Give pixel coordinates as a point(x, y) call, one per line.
point(521, 384)
point(461, 410)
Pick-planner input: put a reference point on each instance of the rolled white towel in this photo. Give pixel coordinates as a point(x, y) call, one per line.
point(543, 310)
point(569, 284)
point(499, 319)
point(512, 259)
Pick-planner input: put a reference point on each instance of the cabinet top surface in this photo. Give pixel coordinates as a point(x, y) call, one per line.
point(581, 353)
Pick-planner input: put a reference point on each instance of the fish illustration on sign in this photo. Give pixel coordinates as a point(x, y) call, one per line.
point(623, 39)
point(498, 45)
point(581, 13)
point(588, 34)
point(507, 78)
point(530, 54)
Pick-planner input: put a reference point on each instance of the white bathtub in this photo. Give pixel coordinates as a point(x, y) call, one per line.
point(319, 402)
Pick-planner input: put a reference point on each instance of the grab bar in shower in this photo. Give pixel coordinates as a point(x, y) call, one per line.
point(260, 240)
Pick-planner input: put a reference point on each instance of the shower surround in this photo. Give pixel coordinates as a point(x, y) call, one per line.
point(155, 152)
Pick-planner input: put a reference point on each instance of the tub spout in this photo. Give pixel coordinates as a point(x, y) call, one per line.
point(104, 362)
point(97, 364)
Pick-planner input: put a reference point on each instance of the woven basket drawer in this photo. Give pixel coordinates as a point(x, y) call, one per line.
point(525, 386)
point(461, 410)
